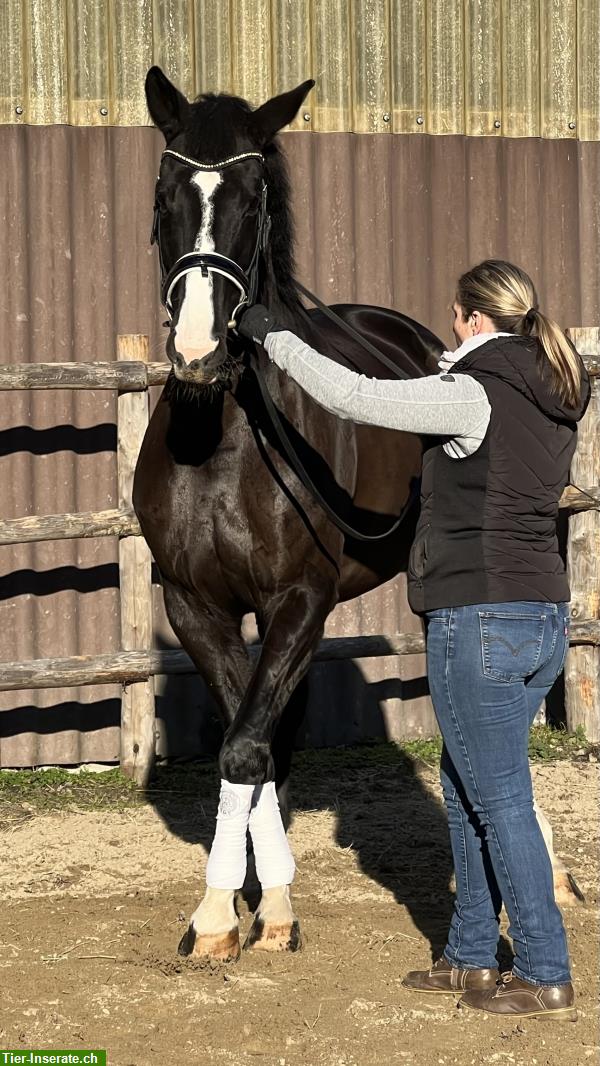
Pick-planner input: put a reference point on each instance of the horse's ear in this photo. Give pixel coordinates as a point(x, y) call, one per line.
point(278, 112)
point(167, 106)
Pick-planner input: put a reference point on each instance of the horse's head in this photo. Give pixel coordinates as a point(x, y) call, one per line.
point(211, 216)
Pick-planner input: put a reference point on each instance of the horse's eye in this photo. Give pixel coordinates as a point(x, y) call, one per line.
point(164, 200)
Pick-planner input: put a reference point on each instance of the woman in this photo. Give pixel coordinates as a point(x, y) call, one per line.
point(486, 572)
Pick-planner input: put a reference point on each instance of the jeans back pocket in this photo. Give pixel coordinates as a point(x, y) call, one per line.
point(511, 644)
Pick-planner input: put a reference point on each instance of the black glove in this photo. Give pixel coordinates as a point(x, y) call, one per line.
point(256, 322)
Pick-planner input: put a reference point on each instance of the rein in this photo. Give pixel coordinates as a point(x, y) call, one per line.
point(356, 336)
point(307, 481)
point(246, 282)
point(288, 447)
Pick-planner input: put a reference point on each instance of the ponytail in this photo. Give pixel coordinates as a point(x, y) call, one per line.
point(507, 295)
point(565, 364)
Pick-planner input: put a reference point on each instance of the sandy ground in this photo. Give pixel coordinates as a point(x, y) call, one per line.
point(94, 904)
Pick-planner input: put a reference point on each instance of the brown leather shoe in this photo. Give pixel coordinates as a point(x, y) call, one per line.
point(442, 977)
point(515, 998)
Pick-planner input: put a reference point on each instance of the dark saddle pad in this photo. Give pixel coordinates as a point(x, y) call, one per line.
point(413, 348)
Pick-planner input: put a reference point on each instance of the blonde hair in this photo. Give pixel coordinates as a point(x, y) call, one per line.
point(507, 295)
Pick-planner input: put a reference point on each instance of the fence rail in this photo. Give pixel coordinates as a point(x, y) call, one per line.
point(126, 376)
point(126, 667)
point(119, 522)
point(124, 522)
point(136, 665)
point(130, 375)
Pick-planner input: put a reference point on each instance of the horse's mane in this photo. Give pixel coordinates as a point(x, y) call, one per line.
point(214, 118)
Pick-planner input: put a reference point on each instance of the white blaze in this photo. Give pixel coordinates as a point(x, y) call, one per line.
point(194, 332)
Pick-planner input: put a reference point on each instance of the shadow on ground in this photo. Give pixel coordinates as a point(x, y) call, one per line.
point(384, 811)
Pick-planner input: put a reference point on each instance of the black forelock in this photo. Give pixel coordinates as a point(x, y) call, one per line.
point(218, 125)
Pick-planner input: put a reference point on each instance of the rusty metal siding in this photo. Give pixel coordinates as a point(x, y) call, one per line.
point(478, 67)
point(73, 285)
point(384, 220)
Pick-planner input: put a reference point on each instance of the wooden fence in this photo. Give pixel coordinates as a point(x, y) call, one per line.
point(136, 665)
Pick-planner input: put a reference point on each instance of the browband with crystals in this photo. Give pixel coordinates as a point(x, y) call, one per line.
point(214, 166)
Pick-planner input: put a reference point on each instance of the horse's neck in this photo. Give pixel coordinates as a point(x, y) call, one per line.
point(290, 313)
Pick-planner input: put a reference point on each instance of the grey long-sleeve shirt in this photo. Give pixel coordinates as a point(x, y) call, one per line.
point(442, 404)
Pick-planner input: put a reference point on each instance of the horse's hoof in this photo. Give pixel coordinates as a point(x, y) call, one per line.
point(269, 937)
point(225, 947)
point(567, 892)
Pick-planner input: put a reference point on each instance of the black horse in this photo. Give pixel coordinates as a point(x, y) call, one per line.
point(232, 528)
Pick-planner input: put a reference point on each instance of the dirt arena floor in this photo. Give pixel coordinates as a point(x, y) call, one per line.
point(94, 903)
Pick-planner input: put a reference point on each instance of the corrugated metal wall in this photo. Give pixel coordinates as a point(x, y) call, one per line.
point(75, 251)
point(509, 68)
point(379, 219)
point(389, 220)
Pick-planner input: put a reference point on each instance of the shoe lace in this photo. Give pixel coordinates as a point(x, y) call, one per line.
point(506, 977)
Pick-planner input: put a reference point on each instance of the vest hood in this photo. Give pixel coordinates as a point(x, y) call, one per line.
point(520, 362)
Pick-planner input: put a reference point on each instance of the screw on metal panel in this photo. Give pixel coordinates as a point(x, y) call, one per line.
point(306, 116)
point(497, 124)
point(572, 125)
point(386, 116)
point(18, 109)
point(104, 111)
point(420, 120)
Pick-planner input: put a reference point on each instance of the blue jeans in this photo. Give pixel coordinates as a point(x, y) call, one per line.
point(489, 668)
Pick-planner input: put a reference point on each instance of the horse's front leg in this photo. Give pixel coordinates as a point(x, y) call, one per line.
point(212, 638)
point(295, 625)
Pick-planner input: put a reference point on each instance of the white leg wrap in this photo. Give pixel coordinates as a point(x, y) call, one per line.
point(226, 867)
point(274, 860)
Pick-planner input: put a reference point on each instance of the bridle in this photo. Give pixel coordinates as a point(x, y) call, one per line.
point(245, 281)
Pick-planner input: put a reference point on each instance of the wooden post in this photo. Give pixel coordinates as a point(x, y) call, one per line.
point(137, 704)
point(582, 668)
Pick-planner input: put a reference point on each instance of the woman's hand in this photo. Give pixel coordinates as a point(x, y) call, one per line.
point(256, 322)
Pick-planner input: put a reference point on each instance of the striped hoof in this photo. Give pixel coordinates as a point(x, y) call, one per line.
point(268, 937)
point(225, 947)
point(567, 892)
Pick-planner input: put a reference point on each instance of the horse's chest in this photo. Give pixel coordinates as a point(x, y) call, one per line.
point(194, 492)
point(220, 502)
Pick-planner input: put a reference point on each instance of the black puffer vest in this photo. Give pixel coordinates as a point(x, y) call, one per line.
point(487, 529)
